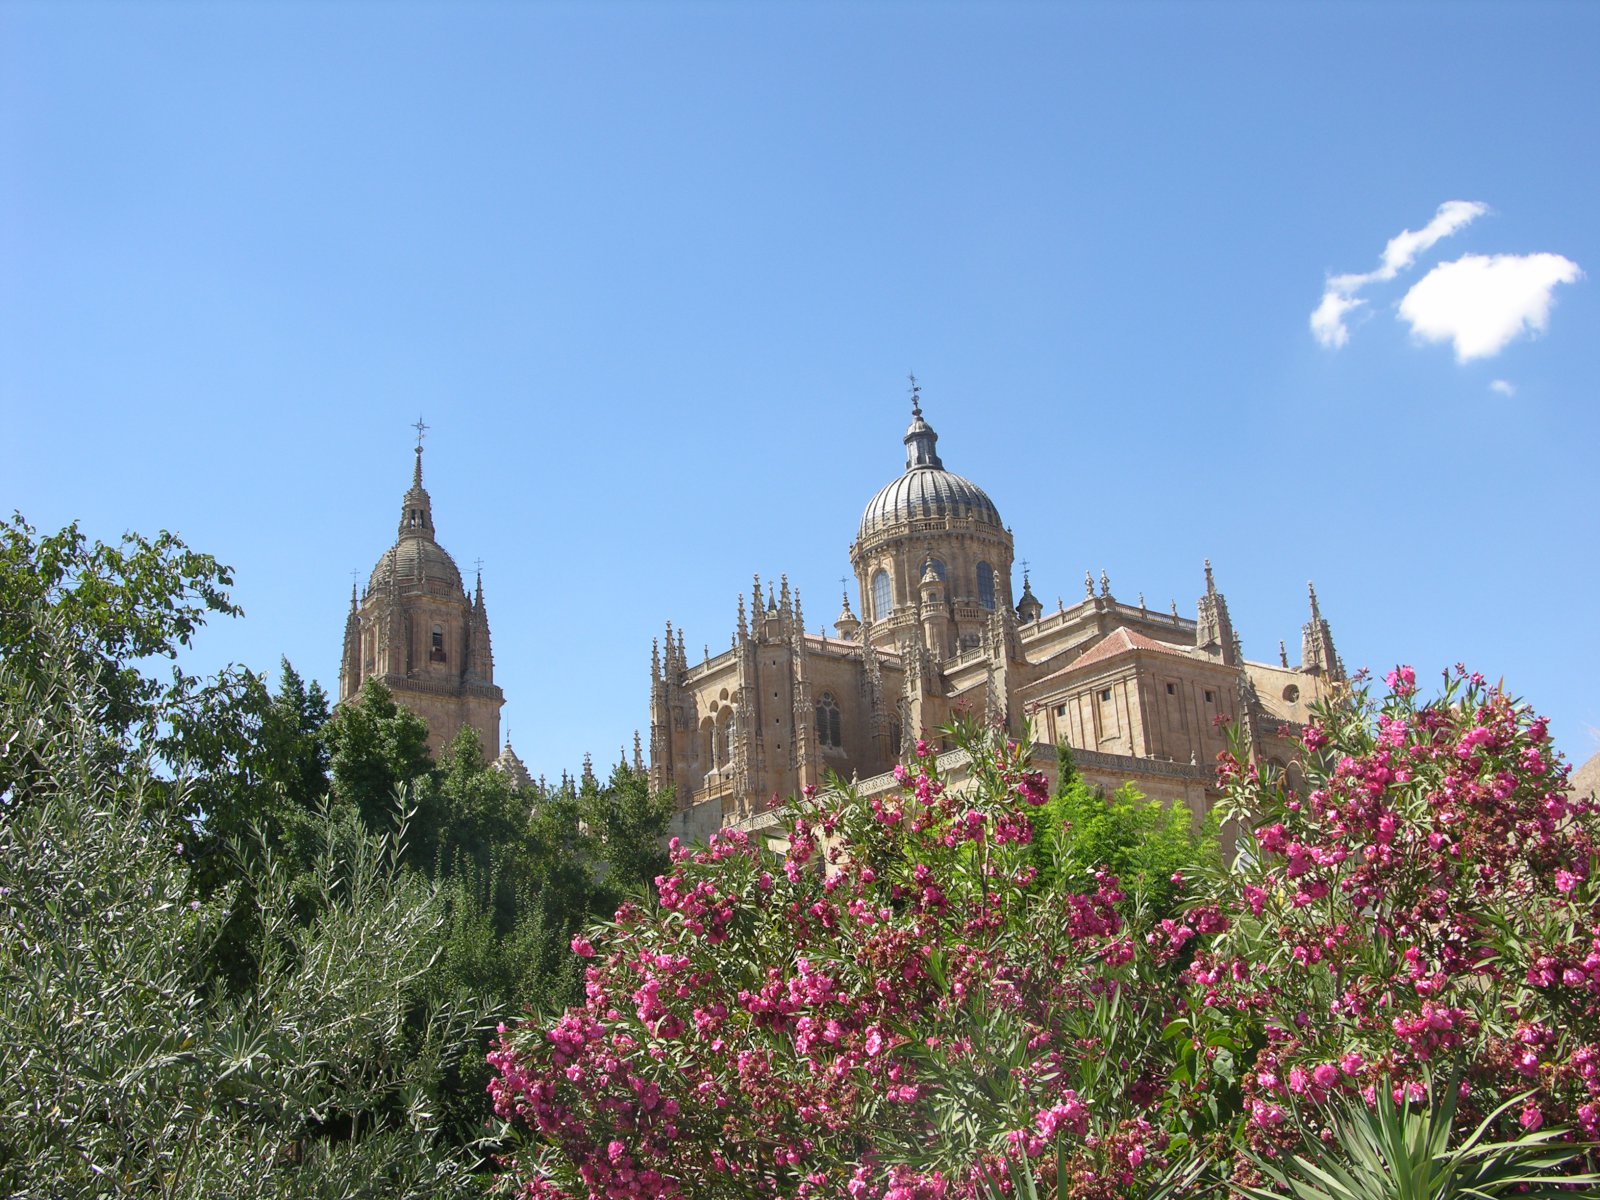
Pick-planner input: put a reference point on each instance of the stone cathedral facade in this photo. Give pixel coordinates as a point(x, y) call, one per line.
point(1137, 694)
point(416, 631)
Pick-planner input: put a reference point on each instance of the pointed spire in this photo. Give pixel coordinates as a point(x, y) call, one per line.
point(683, 659)
point(655, 658)
point(755, 598)
point(1317, 655)
point(416, 509)
point(1213, 627)
point(638, 753)
point(744, 628)
point(477, 591)
point(352, 592)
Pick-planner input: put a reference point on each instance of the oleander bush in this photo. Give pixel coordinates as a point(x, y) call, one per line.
point(903, 1006)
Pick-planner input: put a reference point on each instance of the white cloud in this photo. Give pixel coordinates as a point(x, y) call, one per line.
point(1504, 386)
point(1327, 323)
point(1338, 297)
point(1481, 303)
point(1404, 247)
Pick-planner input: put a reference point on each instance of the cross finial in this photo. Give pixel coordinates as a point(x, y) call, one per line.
point(421, 432)
point(1025, 565)
point(916, 395)
point(479, 564)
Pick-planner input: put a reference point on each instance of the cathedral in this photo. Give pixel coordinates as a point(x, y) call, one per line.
point(415, 630)
point(1138, 695)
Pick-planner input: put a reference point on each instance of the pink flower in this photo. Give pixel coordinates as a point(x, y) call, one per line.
point(582, 947)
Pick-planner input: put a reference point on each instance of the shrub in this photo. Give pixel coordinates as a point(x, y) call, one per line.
point(897, 1007)
point(1428, 904)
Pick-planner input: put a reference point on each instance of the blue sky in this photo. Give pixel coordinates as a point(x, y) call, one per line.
point(655, 274)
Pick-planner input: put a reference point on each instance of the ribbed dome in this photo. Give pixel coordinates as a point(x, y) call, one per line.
point(417, 559)
point(926, 491)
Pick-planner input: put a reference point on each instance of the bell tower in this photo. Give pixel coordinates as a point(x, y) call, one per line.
point(416, 631)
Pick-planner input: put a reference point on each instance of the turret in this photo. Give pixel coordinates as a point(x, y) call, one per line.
point(1028, 608)
point(350, 661)
point(1317, 655)
point(847, 627)
point(935, 612)
point(1213, 628)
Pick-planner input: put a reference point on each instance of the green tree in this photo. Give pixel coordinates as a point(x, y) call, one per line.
point(629, 825)
point(118, 608)
point(374, 747)
point(1144, 843)
point(126, 1072)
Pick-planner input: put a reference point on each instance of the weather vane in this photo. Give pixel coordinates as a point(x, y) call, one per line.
point(421, 431)
point(916, 395)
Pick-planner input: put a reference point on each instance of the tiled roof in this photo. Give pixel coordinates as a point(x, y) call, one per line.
point(1121, 640)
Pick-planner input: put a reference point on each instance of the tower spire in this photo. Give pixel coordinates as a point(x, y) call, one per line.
point(416, 509)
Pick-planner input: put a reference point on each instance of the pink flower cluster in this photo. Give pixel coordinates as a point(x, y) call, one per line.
point(788, 1027)
point(1422, 905)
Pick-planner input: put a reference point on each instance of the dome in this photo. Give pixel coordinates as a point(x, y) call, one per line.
point(413, 560)
point(416, 562)
point(926, 491)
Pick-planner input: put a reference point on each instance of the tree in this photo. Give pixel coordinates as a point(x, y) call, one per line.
point(375, 747)
point(115, 608)
point(126, 1072)
point(1146, 845)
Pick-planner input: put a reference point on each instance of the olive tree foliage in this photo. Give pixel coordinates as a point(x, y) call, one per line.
point(126, 1072)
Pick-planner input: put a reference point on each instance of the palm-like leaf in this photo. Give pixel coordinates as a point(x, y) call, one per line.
point(1402, 1152)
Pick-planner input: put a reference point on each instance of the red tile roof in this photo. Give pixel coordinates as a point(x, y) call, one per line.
point(1121, 640)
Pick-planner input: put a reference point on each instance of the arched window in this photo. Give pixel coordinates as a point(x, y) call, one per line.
point(986, 585)
point(882, 601)
point(436, 654)
point(727, 739)
point(828, 731)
